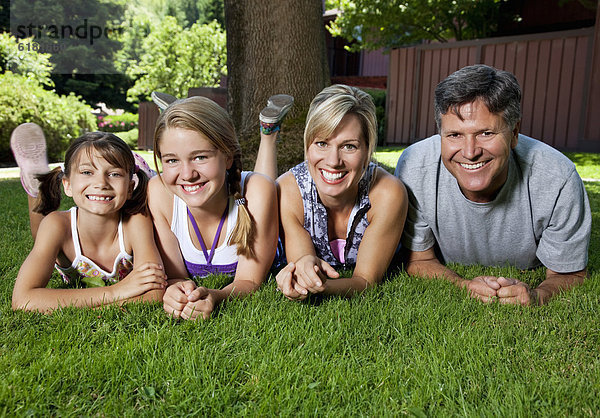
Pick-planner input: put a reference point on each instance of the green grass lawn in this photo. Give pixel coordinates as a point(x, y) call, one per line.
point(408, 347)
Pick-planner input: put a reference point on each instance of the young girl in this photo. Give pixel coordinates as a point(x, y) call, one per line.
point(209, 216)
point(105, 242)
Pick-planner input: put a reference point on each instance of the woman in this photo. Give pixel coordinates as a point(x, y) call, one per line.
point(338, 209)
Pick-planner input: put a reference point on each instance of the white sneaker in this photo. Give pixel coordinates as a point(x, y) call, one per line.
point(277, 107)
point(162, 100)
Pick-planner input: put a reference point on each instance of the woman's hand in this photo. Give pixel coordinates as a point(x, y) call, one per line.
point(312, 273)
point(287, 284)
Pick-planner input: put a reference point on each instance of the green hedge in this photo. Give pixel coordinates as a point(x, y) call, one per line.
point(130, 137)
point(62, 118)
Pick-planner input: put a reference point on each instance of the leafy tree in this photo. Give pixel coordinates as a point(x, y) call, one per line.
point(80, 35)
point(372, 24)
point(176, 59)
point(17, 57)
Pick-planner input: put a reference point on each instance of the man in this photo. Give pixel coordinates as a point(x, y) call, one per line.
point(481, 193)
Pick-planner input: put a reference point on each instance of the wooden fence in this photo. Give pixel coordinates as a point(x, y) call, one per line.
point(555, 71)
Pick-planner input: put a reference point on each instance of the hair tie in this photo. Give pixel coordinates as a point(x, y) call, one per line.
point(241, 201)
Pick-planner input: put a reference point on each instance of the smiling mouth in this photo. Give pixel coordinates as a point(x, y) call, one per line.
point(100, 198)
point(333, 177)
point(473, 166)
point(192, 188)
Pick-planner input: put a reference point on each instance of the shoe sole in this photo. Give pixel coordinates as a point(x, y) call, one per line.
point(162, 100)
point(277, 107)
point(28, 145)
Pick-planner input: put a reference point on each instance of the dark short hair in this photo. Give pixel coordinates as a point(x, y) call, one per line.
point(498, 90)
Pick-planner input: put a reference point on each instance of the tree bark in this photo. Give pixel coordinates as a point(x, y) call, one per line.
point(273, 47)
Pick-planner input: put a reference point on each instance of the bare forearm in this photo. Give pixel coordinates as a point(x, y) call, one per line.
point(433, 269)
point(46, 300)
point(150, 296)
point(557, 282)
point(346, 286)
point(236, 289)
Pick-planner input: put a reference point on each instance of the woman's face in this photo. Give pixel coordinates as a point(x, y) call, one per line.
point(337, 163)
point(193, 168)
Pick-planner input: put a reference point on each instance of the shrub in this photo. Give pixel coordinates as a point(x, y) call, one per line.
point(130, 137)
point(118, 123)
point(17, 56)
point(62, 118)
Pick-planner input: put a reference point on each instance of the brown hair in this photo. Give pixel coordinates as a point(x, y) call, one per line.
point(114, 151)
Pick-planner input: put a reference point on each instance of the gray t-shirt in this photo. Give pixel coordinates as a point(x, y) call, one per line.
point(541, 214)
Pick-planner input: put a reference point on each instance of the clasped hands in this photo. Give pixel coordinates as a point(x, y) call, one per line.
point(502, 289)
point(186, 300)
point(309, 274)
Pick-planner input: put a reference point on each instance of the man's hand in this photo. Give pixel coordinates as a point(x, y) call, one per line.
point(483, 288)
point(513, 291)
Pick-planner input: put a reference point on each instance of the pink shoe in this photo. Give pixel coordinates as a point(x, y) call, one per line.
point(28, 145)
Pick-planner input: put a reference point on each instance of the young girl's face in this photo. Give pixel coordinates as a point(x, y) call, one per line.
point(193, 168)
point(96, 185)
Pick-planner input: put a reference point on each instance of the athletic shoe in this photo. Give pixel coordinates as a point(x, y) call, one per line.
point(277, 107)
point(28, 145)
point(162, 100)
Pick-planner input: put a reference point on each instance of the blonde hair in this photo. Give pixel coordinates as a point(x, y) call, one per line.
point(329, 107)
point(212, 121)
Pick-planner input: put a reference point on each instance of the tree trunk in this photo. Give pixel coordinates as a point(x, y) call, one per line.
point(273, 47)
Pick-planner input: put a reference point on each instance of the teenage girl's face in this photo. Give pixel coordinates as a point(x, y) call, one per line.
point(193, 168)
point(96, 185)
point(336, 163)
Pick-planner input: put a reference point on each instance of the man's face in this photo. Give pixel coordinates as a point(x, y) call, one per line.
point(476, 149)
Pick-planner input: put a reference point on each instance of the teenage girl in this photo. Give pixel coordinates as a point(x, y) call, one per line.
point(209, 216)
point(105, 242)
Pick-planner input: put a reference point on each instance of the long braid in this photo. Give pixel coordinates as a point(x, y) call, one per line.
point(244, 233)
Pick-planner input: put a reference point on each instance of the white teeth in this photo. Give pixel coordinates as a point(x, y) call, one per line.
point(472, 166)
point(100, 198)
point(191, 189)
point(331, 176)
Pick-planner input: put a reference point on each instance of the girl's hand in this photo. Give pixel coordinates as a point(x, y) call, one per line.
point(287, 284)
point(312, 273)
point(201, 302)
point(142, 279)
point(176, 297)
